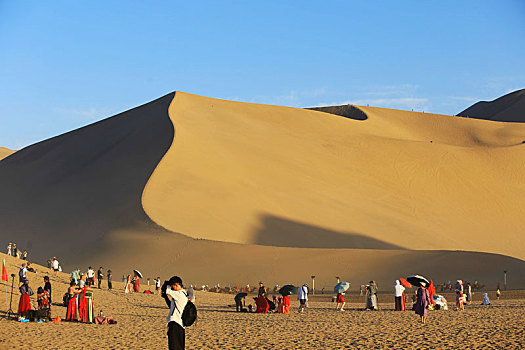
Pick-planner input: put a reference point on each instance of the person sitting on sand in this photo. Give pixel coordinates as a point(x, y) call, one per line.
point(486, 300)
point(30, 268)
point(422, 302)
point(24, 305)
point(262, 305)
point(44, 302)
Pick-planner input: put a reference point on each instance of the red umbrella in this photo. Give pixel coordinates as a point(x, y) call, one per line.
point(405, 283)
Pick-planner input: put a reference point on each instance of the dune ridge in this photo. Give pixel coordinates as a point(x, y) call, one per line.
point(398, 178)
point(507, 108)
point(4, 152)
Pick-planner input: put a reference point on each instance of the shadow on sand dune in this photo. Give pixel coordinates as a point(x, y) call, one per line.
point(347, 111)
point(275, 231)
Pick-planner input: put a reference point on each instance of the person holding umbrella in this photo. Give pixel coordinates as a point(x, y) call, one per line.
point(340, 289)
point(422, 296)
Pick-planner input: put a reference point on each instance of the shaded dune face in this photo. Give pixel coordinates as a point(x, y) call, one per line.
point(258, 174)
point(66, 193)
point(508, 108)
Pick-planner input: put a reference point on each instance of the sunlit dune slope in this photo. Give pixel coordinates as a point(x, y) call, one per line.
point(272, 175)
point(4, 152)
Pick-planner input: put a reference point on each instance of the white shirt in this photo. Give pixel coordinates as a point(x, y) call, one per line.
point(23, 272)
point(90, 273)
point(81, 283)
point(302, 293)
point(55, 264)
point(178, 299)
point(398, 290)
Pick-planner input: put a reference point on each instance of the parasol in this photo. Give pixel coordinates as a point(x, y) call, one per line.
point(137, 272)
point(405, 283)
point(417, 280)
point(288, 290)
point(341, 287)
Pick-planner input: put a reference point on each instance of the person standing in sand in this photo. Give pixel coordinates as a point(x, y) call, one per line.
point(422, 302)
point(176, 297)
point(90, 277)
point(100, 276)
point(398, 295)
point(82, 281)
point(9, 248)
point(110, 280)
point(302, 295)
point(340, 299)
point(371, 296)
point(128, 287)
point(55, 265)
point(262, 290)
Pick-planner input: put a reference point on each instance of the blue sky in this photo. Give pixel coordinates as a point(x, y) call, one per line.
point(65, 64)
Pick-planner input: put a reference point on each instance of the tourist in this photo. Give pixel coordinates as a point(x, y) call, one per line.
point(371, 296)
point(136, 282)
point(72, 302)
point(284, 305)
point(110, 280)
point(262, 305)
point(100, 276)
point(191, 294)
point(399, 291)
point(422, 302)
point(177, 299)
point(90, 277)
point(47, 287)
point(302, 295)
point(24, 305)
point(22, 275)
point(15, 251)
point(82, 281)
point(55, 265)
point(486, 300)
point(468, 292)
point(75, 275)
point(128, 287)
point(9, 249)
point(262, 290)
point(498, 292)
point(240, 302)
point(29, 268)
point(340, 300)
point(157, 285)
point(43, 298)
point(459, 295)
point(24, 255)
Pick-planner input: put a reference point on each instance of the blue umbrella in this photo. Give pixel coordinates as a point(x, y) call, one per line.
point(341, 287)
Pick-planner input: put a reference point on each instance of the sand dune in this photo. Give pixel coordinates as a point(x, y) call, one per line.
point(508, 108)
point(4, 152)
point(272, 175)
point(228, 192)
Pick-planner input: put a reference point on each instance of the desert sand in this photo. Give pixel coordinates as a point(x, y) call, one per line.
point(4, 152)
point(141, 324)
point(231, 193)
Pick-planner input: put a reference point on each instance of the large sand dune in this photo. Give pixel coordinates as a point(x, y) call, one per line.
point(210, 189)
point(508, 108)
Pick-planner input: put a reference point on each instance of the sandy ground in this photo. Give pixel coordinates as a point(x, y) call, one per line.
point(142, 325)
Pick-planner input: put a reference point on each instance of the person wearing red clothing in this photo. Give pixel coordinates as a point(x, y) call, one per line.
point(340, 302)
point(262, 305)
point(24, 305)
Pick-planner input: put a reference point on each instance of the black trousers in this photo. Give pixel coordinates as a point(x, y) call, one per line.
point(399, 304)
point(176, 336)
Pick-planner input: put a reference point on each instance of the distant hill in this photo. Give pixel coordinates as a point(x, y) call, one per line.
point(508, 108)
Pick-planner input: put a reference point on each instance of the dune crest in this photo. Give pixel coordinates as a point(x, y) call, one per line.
point(4, 152)
point(405, 179)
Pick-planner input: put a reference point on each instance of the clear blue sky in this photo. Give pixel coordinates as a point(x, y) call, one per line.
point(65, 64)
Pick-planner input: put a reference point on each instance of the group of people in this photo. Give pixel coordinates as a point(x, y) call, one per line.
point(43, 297)
point(12, 250)
point(88, 278)
point(132, 285)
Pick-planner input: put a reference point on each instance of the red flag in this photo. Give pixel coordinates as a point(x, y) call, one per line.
point(4, 273)
point(405, 283)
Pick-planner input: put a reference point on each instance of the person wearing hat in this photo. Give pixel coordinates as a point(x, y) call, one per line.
point(302, 295)
point(176, 297)
point(55, 265)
